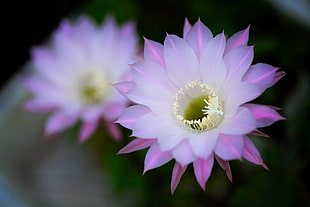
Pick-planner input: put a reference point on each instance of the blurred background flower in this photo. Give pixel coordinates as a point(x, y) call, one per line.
point(61, 173)
point(74, 73)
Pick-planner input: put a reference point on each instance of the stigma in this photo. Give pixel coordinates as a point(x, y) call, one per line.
point(197, 107)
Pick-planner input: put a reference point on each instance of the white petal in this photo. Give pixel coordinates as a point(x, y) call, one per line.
point(242, 122)
point(212, 66)
point(198, 37)
point(151, 73)
point(203, 144)
point(158, 100)
point(131, 115)
point(169, 137)
point(229, 147)
point(148, 126)
point(183, 153)
point(155, 158)
point(181, 61)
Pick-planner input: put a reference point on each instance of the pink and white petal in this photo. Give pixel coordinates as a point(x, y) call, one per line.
point(112, 111)
point(187, 27)
point(212, 67)
point(203, 144)
point(261, 74)
point(148, 126)
point(178, 171)
point(84, 31)
point(181, 61)
point(225, 166)
point(108, 37)
point(36, 105)
point(137, 144)
point(71, 52)
point(148, 72)
point(169, 137)
point(240, 38)
point(45, 90)
point(58, 122)
point(259, 133)
point(198, 37)
point(91, 114)
point(183, 153)
point(131, 115)
point(124, 87)
point(157, 99)
point(202, 169)
point(87, 130)
point(153, 51)
point(46, 64)
point(242, 123)
point(113, 130)
point(229, 147)
point(238, 61)
point(251, 153)
point(155, 157)
point(240, 93)
point(128, 43)
point(264, 115)
point(277, 77)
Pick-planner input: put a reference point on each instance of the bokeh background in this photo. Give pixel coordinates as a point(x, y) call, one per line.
point(36, 172)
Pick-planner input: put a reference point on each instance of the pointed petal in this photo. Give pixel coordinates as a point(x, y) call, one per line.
point(251, 153)
point(87, 130)
point(242, 123)
point(153, 51)
point(259, 133)
point(155, 158)
point(131, 115)
point(169, 137)
point(46, 65)
point(124, 87)
point(91, 114)
point(277, 77)
point(183, 153)
point(148, 126)
point(202, 169)
point(238, 61)
point(156, 99)
point(229, 147)
point(136, 144)
point(240, 38)
point(113, 129)
point(148, 72)
point(203, 144)
point(225, 165)
point(198, 37)
point(187, 27)
point(38, 106)
point(178, 171)
point(45, 92)
point(212, 67)
point(111, 111)
point(264, 115)
point(240, 93)
point(263, 75)
point(58, 122)
point(181, 61)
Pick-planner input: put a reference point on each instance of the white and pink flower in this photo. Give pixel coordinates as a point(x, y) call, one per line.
point(192, 97)
point(74, 73)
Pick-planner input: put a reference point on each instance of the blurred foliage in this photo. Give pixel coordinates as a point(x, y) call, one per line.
point(278, 41)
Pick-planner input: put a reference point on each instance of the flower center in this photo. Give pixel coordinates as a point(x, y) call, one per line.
point(197, 107)
point(93, 88)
